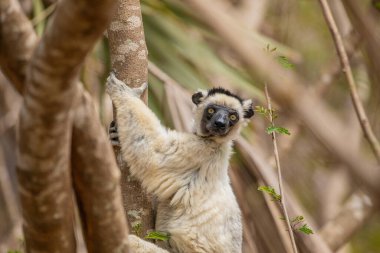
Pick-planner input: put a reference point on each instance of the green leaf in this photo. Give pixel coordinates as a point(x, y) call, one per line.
point(377, 5)
point(158, 235)
point(306, 229)
point(271, 191)
point(265, 111)
point(277, 129)
point(297, 219)
point(261, 110)
point(284, 61)
point(137, 229)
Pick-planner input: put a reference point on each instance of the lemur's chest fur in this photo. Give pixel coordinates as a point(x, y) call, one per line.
point(200, 219)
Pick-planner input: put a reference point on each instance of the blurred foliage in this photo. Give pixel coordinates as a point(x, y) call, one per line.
point(368, 240)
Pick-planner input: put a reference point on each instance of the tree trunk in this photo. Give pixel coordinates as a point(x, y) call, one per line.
point(105, 224)
point(130, 64)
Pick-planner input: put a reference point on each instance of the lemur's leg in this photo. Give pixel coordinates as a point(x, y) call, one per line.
point(138, 245)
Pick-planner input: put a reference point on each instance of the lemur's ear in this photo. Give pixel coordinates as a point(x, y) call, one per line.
point(198, 96)
point(248, 108)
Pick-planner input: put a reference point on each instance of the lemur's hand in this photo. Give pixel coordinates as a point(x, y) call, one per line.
point(116, 87)
point(113, 134)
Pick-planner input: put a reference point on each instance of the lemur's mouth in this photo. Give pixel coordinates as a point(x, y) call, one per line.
point(215, 131)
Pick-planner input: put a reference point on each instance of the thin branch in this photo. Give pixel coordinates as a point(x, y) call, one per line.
point(279, 173)
point(359, 108)
point(44, 14)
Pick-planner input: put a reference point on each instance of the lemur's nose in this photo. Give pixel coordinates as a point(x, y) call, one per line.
point(220, 123)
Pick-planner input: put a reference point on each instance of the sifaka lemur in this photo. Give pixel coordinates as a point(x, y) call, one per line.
point(188, 172)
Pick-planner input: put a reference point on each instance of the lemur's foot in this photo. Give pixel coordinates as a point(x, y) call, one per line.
point(113, 134)
point(115, 86)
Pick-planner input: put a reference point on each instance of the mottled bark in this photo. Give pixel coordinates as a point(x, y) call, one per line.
point(17, 41)
point(130, 63)
point(97, 183)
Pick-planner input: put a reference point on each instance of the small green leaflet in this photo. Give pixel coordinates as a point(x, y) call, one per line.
point(277, 129)
point(284, 61)
point(265, 112)
point(261, 110)
point(298, 218)
point(271, 191)
point(137, 229)
point(158, 235)
point(270, 50)
point(306, 229)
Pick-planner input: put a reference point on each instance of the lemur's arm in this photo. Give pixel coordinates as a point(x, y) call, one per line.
point(158, 157)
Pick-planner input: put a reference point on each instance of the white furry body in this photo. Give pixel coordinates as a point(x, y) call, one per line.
point(187, 173)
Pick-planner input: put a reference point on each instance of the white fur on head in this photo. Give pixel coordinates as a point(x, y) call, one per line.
point(201, 99)
point(248, 108)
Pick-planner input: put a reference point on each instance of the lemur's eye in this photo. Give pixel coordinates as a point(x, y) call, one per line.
point(210, 110)
point(233, 117)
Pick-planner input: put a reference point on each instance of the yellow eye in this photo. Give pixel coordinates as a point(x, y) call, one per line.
point(210, 110)
point(233, 117)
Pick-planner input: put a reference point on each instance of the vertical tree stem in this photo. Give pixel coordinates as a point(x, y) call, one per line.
point(130, 63)
point(362, 116)
point(278, 165)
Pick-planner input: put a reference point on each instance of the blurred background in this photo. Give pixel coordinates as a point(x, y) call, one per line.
point(185, 54)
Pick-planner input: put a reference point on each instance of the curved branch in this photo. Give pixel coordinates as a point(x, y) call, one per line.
point(17, 42)
point(97, 182)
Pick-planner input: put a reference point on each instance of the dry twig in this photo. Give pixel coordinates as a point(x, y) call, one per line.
point(279, 174)
point(359, 108)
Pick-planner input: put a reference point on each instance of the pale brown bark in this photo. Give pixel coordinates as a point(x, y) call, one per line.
point(97, 182)
point(96, 176)
point(130, 63)
point(17, 41)
point(348, 221)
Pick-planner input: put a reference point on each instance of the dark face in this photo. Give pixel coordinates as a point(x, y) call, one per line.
point(217, 120)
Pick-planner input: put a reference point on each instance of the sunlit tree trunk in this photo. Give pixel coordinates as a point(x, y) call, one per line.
point(129, 61)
